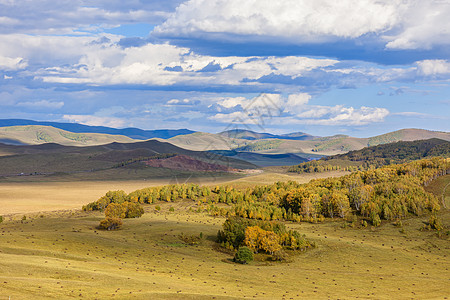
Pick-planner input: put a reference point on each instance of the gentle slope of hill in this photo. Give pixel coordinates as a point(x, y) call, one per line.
point(267, 144)
point(36, 134)
point(111, 161)
point(134, 133)
point(251, 135)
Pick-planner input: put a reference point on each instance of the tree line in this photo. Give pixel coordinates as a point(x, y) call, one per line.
point(387, 193)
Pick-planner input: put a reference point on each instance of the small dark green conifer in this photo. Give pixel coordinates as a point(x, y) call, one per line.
point(243, 255)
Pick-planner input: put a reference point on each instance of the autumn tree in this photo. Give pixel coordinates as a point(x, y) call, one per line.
point(110, 223)
point(115, 210)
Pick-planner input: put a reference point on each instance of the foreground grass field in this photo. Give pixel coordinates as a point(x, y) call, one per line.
point(63, 255)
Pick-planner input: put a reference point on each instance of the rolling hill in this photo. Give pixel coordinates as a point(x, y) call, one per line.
point(134, 133)
point(318, 146)
point(265, 160)
point(111, 161)
point(251, 135)
point(37, 134)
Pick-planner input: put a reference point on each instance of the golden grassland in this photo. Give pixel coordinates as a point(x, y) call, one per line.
point(32, 197)
point(63, 255)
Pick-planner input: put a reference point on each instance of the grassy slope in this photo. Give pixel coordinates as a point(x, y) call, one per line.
point(325, 146)
point(63, 256)
point(35, 134)
point(98, 162)
point(201, 141)
point(408, 135)
point(441, 188)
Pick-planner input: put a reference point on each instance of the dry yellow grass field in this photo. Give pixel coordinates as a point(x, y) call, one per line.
point(63, 256)
point(33, 197)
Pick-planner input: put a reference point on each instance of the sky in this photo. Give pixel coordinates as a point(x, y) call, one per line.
point(324, 67)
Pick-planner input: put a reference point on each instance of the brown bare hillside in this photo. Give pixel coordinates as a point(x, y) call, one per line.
point(186, 163)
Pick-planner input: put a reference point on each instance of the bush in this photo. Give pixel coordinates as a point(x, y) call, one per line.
point(243, 255)
point(376, 221)
point(1, 219)
point(190, 239)
point(435, 223)
point(279, 256)
point(110, 223)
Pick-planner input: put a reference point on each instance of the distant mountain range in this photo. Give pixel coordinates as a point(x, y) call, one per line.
point(134, 133)
point(251, 135)
point(302, 145)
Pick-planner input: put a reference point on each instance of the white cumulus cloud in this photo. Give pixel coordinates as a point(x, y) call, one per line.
point(10, 63)
point(301, 19)
point(400, 24)
point(432, 67)
point(294, 109)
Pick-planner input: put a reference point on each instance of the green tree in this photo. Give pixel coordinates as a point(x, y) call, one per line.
point(243, 255)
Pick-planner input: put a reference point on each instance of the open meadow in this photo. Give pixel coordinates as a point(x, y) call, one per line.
point(21, 197)
point(61, 254)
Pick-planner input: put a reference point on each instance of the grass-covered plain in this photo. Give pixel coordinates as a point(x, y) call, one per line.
point(63, 255)
point(23, 197)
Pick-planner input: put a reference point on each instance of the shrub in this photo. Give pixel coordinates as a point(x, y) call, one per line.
point(1, 219)
point(435, 223)
point(279, 256)
point(110, 223)
point(171, 209)
point(157, 207)
point(243, 255)
point(190, 239)
point(376, 221)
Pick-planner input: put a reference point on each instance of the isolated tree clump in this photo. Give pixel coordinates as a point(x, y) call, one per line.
point(258, 235)
point(110, 223)
point(243, 256)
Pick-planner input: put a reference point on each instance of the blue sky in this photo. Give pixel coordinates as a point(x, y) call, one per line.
point(356, 67)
